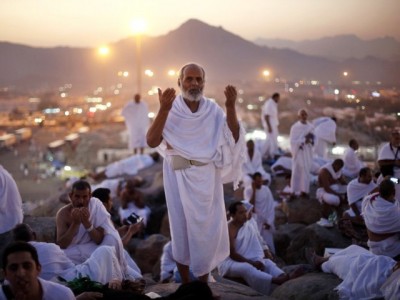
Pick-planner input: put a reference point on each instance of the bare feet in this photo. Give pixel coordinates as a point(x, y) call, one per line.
point(313, 259)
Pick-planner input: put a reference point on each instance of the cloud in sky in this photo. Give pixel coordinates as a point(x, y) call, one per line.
point(95, 22)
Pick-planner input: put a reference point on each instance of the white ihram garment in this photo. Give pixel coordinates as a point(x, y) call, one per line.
point(253, 165)
point(270, 108)
point(324, 196)
point(356, 191)
point(137, 123)
point(264, 213)
point(195, 195)
point(325, 132)
point(82, 245)
point(362, 272)
point(382, 217)
point(302, 157)
point(248, 245)
point(352, 164)
point(101, 266)
point(10, 202)
point(129, 166)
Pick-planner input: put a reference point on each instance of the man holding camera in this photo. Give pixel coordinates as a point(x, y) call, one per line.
point(389, 159)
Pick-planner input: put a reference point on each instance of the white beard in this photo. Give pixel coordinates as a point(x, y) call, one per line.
point(193, 95)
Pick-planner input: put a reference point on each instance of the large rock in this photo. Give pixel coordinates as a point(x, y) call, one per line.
point(227, 291)
point(316, 237)
point(315, 286)
point(148, 252)
point(302, 210)
point(283, 236)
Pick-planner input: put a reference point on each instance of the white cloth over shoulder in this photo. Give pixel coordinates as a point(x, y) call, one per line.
point(101, 266)
point(82, 245)
point(270, 108)
point(325, 129)
point(253, 165)
point(352, 164)
point(362, 272)
point(137, 123)
point(357, 190)
point(382, 217)
point(10, 202)
point(194, 195)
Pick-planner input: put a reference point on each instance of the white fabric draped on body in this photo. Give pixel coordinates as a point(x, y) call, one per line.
point(264, 213)
point(302, 157)
point(270, 108)
point(10, 202)
point(248, 245)
point(325, 132)
point(362, 272)
point(101, 266)
point(388, 152)
point(253, 165)
point(82, 245)
point(382, 217)
point(356, 191)
point(137, 123)
point(352, 164)
point(341, 189)
point(194, 195)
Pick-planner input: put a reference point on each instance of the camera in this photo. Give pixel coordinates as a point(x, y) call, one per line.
point(133, 219)
point(394, 179)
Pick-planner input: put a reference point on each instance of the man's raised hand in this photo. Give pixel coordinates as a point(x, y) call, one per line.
point(166, 98)
point(230, 95)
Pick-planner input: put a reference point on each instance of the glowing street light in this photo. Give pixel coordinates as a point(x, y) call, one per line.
point(172, 73)
point(266, 73)
point(138, 27)
point(345, 73)
point(103, 51)
point(149, 73)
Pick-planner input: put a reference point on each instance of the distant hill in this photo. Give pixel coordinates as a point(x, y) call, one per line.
point(340, 47)
point(226, 57)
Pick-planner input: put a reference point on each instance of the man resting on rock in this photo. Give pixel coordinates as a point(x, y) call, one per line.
point(246, 259)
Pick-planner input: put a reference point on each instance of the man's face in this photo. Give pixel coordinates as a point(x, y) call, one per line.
point(303, 116)
point(21, 271)
point(395, 139)
point(367, 178)
point(192, 83)
point(80, 198)
point(240, 215)
point(337, 166)
point(137, 98)
point(108, 204)
point(258, 182)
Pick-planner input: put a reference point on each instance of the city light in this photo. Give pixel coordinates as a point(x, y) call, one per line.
point(345, 73)
point(172, 73)
point(138, 26)
point(266, 73)
point(103, 51)
point(149, 73)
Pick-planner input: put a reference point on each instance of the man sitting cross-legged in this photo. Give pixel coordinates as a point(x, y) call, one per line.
point(101, 266)
point(246, 259)
point(84, 224)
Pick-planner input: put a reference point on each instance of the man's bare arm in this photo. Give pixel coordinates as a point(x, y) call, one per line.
point(154, 134)
point(66, 233)
point(231, 117)
point(323, 179)
point(95, 233)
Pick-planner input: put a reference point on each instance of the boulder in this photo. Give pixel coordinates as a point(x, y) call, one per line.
point(283, 236)
point(315, 286)
point(316, 237)
point(227, 291)
point(302, 210)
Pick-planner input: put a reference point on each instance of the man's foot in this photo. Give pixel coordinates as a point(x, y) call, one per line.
point(313, 259)
point(296, 273)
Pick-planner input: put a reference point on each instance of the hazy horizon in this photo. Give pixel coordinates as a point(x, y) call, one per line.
point(46, 23)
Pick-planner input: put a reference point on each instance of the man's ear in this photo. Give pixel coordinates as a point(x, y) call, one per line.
point(179, 82)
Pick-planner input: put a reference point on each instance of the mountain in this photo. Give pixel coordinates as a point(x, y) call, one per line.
point(340, 47)
point(227, 58)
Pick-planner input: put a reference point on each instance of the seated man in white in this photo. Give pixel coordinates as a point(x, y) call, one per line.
point(84, 224)
point(364, 274)
point(283, 165)
point(253, 164)
point(352, 163)
point(381, 213)
point(127, 166)
point(263, 202)
point(357, 189)
point(21, 271)
point(331, 191)
point(246, 258)
point(101, 266)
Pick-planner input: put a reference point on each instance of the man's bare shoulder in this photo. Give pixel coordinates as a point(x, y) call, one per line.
point(64, 211)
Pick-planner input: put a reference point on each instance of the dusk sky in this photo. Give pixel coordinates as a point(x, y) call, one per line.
point(91, 23)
